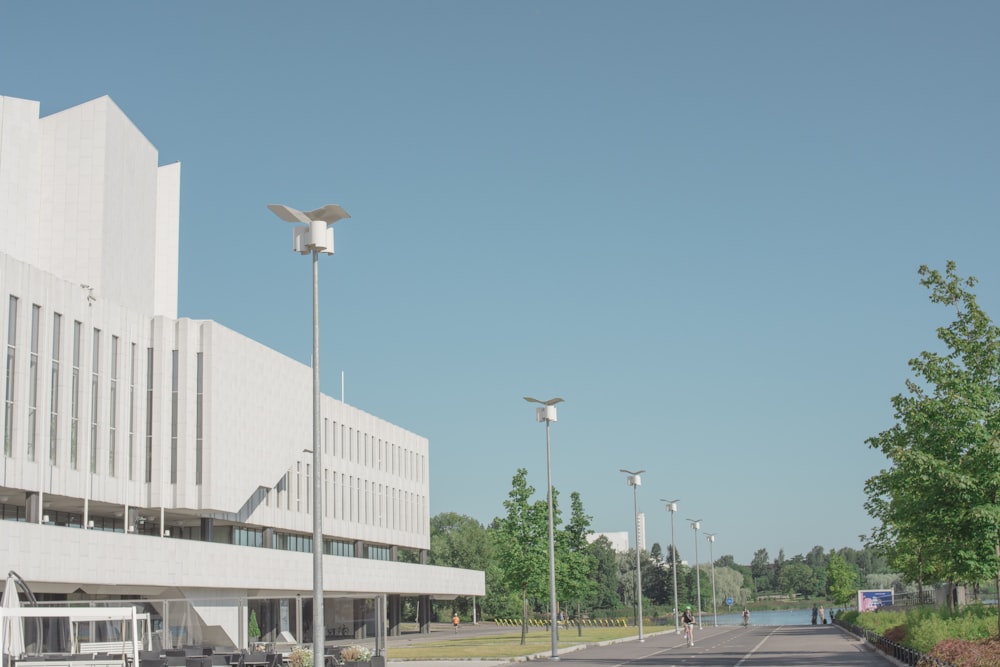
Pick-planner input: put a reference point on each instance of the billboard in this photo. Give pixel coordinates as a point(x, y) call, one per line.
point(873, 599)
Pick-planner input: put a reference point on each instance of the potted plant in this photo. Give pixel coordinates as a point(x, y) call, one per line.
point(356, 653)
point(300, 657)
point(253, 629)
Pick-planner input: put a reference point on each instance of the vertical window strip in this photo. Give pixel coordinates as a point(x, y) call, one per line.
point(199, 437)
point(113, 408)
point(95, 378)
point(308, 504)
point(298, 486)
point(54, 389)
point(36, 313)
point(74, 397)
point(8, 422)
point(149, 415)
point(133, 359)
point(174, 407)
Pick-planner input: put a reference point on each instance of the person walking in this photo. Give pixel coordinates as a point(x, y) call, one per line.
point(822, 615)
point(746, 617)
point(815, 613)
point(455, 621)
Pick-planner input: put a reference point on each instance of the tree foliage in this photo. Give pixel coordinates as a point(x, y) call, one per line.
point(938, 500)
point(522, 544)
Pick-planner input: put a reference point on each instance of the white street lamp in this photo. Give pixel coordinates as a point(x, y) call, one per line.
point(547, 414)
point(711, 557)
point(672, 508)
point(695, 525)
point(635, 481)
point(315, 236)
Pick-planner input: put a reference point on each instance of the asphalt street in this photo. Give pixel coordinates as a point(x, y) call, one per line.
point(724, 646)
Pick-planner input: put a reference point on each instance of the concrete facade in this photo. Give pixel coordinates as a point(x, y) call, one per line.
point(155, 427)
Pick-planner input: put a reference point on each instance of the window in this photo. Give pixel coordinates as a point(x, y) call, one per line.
point(149, 415)
point(8, 421)
point(54, 389)
point(174, 407)
point(36, 313)
point(199, 440)
point(133, 360)
point(74, 410)
point(95, 378)
point(113, 407)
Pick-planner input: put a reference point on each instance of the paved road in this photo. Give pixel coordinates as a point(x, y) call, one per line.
point(724, 646)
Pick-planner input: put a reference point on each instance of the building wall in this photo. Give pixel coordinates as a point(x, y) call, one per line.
point(116, 410)
point(82, 197)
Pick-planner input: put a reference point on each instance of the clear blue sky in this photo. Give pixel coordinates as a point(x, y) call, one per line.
point(699, 223)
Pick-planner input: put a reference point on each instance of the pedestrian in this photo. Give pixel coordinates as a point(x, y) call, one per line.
point(815, 613)
point(455, 621)
point(822, 615)
point(687, 618)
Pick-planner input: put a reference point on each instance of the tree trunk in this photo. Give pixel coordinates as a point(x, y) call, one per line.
point(524, 616)
point(997, 581)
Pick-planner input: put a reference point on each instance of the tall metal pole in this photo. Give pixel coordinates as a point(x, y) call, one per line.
point(672, 508)
point(313, 234)
point(711, 557)
point(638, 566)
point(697, 571)
point(319, 627)
point(552, 550)
point(547, 414)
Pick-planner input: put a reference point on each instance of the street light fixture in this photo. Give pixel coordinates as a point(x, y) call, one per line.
point(696, 524)
point(635, 481)
point(315, 236)
point(711, 557)
point(547, 414)
point(672, 508)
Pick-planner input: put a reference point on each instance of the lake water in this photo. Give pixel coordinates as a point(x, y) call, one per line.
point(783, 617)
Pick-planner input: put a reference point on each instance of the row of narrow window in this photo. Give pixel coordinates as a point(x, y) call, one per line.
point(355, 445)
point(89, 417)
point(372, 504)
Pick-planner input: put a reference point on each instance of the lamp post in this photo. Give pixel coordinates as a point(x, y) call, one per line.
point(695, 525)
point(547, 414)
point(672, 508)
point(711, 557)
point(314, 236)
point(635, 481)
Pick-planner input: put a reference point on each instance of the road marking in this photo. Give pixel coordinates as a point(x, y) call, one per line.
point(759, 644)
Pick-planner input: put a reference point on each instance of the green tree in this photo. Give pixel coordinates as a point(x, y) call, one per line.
point(761, 570)
point(841, 579)
point(605, 574)
point(576, 582)
point(253, 628)
point(798, 578)
point(942, 490)
point(522, 544)
point(460, 541)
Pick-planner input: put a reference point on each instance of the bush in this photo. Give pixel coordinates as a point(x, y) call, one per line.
point(355, 653)
point(963, 653)
point(300, 657)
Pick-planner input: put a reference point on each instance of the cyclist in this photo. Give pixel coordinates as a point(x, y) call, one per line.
point(687, 618)
point(746, 617)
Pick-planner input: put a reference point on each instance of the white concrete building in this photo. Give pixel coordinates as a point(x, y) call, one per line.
point(161, 457)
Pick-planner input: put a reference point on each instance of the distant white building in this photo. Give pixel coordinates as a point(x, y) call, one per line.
point(160, 457)
point(619, 541)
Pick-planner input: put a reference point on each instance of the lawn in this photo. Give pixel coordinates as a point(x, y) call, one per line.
point(501, 646)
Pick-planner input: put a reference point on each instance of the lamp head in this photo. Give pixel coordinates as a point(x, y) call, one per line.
point(551, 401)
point(315, 234)
point(671, 504)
